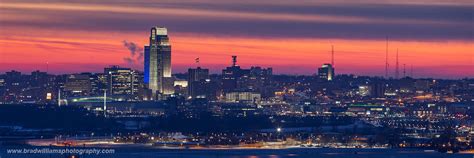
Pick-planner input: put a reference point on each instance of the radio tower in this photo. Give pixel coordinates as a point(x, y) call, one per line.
point(332, 55)
point(404, 71)
point(397, 71)
point(386, 58)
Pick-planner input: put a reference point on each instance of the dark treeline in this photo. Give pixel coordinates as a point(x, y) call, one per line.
point(52, 117)
point(72, 119)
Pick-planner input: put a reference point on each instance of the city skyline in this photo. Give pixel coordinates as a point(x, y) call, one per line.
point(236, 78)
point(435, 31)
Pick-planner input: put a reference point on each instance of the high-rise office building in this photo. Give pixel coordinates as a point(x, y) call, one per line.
point(39, 79)
point(255, 79)
point(121, 81)
point(197, 81)
point(77, 85)
point(258, 79)
point(326, 72)
point(14, 84)
point(230, 76)
point(158, 62)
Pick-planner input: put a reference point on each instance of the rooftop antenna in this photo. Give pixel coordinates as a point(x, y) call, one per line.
point(411, 71)
point(47, 67)
point(397, 71)
point(386, 58)
point(234, 60)
point(332, 55)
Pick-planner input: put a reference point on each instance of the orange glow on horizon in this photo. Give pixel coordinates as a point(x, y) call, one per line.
point(301, 56)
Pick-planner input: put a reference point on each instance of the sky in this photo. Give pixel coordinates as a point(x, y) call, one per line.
point(434, 38)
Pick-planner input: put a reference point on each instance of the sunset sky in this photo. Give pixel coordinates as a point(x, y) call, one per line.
point(292, 36)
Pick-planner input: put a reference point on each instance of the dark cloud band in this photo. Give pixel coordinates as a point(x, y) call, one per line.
point(364, 21)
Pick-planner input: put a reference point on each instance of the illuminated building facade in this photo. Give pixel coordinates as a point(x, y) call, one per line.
point(158, 62)
point(364, 90)
point(326, 72)
point(242, 96)
point(122, 81)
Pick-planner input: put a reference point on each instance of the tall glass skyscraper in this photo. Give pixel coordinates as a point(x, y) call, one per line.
point(158, 62)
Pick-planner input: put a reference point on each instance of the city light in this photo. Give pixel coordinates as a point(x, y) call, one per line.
point(236, 79)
